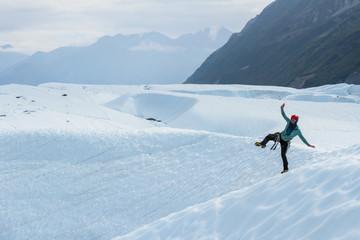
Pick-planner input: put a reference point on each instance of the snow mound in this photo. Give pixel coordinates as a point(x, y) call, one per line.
point(321, 201)
point(164, 107)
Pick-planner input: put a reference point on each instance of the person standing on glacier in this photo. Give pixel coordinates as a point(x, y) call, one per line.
point(291, 130)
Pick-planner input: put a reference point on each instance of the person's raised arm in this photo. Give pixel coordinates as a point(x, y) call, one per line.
point(283, 113)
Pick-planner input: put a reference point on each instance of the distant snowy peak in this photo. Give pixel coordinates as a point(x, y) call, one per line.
point(213, 37)
point(216, 31)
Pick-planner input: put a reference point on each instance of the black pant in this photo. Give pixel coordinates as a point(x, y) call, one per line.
point(284, 146)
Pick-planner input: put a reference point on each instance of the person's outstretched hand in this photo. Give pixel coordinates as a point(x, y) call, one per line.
point(283, 105)
point(312, 146)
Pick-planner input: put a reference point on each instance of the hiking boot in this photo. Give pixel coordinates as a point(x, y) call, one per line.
point(284, 171)
point(260, 145)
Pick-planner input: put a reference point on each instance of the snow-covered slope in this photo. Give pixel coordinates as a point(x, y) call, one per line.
point(82, 162)
point(320, 201)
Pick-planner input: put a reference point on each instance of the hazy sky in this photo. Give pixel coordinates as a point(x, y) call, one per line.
point(28, 26)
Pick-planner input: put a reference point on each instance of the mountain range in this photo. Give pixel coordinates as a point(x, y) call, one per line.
point(8, 59)
point(296, 43)
point(149, 58)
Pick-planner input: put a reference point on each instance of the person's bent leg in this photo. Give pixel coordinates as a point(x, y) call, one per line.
point(269, 137)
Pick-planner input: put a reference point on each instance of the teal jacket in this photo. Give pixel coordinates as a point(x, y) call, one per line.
point(294, 133)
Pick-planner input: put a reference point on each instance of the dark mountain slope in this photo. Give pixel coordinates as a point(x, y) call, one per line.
point(298, 43)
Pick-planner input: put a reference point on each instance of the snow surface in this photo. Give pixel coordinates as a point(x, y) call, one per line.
point(82, 162)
